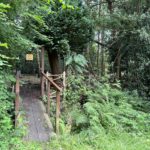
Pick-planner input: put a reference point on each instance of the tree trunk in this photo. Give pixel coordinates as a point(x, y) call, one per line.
point(54, 62)
point(102, 55)
point(99, 40)
point(118, 74)
point(110, 5)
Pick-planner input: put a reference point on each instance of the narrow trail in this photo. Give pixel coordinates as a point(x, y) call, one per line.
point(37, 126)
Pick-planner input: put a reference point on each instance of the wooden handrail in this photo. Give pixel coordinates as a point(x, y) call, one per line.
point(58, 91)
point(52, 82)
point(57, 88)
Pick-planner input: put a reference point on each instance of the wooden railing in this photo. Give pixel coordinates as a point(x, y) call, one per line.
point(50, 83)
point(17, 98)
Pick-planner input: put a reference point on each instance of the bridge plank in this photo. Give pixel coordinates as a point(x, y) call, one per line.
point(37, 128)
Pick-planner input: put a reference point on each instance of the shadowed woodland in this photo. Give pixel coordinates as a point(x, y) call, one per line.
point(74, 75)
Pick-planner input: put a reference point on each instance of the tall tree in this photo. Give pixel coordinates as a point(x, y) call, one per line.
point(60, 27)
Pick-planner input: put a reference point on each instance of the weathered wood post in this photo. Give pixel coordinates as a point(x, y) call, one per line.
point(48, 98)
point(38, 61)
point(57, 110)
point(64, 85)
point(17, 99)
point(58, 91)
point(42, 70)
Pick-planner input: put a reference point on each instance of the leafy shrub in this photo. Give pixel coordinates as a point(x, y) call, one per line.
point(101, 141)
point(6, 107)
point(100, 117)
point(102, 107)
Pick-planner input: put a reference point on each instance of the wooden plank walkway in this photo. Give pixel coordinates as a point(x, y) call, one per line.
point(38, 129)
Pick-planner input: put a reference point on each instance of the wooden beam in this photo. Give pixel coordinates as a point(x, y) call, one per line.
point(42, 70)
point(17, 91)
point(48, 98)
point(52, 82)
point(38, 61)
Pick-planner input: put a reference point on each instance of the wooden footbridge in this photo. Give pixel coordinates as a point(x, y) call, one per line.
point(37, 115)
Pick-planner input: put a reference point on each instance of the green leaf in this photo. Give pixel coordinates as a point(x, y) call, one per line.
point(4, 45)
point(69, 60)
point(80, 59)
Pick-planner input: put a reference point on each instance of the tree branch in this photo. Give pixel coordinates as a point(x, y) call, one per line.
point(102, 44)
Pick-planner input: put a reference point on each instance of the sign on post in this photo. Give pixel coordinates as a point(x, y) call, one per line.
point(29, 57)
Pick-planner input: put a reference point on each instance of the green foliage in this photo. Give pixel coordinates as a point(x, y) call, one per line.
point(96, 113)
point(11, 32)
point(3, 8)
point(72, 25)
point(135, 54)
point(110, 141)
point(127, 36)
point(4, 45)
point(98, 116)
point(60, 27)
point(106, 107)
point(6, 103)
point(76, 62)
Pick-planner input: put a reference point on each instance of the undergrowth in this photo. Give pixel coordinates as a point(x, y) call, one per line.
point(101, 141)
point(6, 109)
point(95, 116)
point(100, 116)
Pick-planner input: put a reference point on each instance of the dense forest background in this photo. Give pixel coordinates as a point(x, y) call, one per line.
point(104, 47)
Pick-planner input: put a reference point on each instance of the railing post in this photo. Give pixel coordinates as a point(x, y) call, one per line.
point(58, 90)
point(38, 61)
point(57, 110)
point(17, 90)
point(42, 70)
point(48, 97)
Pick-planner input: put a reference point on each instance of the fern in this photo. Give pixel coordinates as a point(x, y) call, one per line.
point(103, 107)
